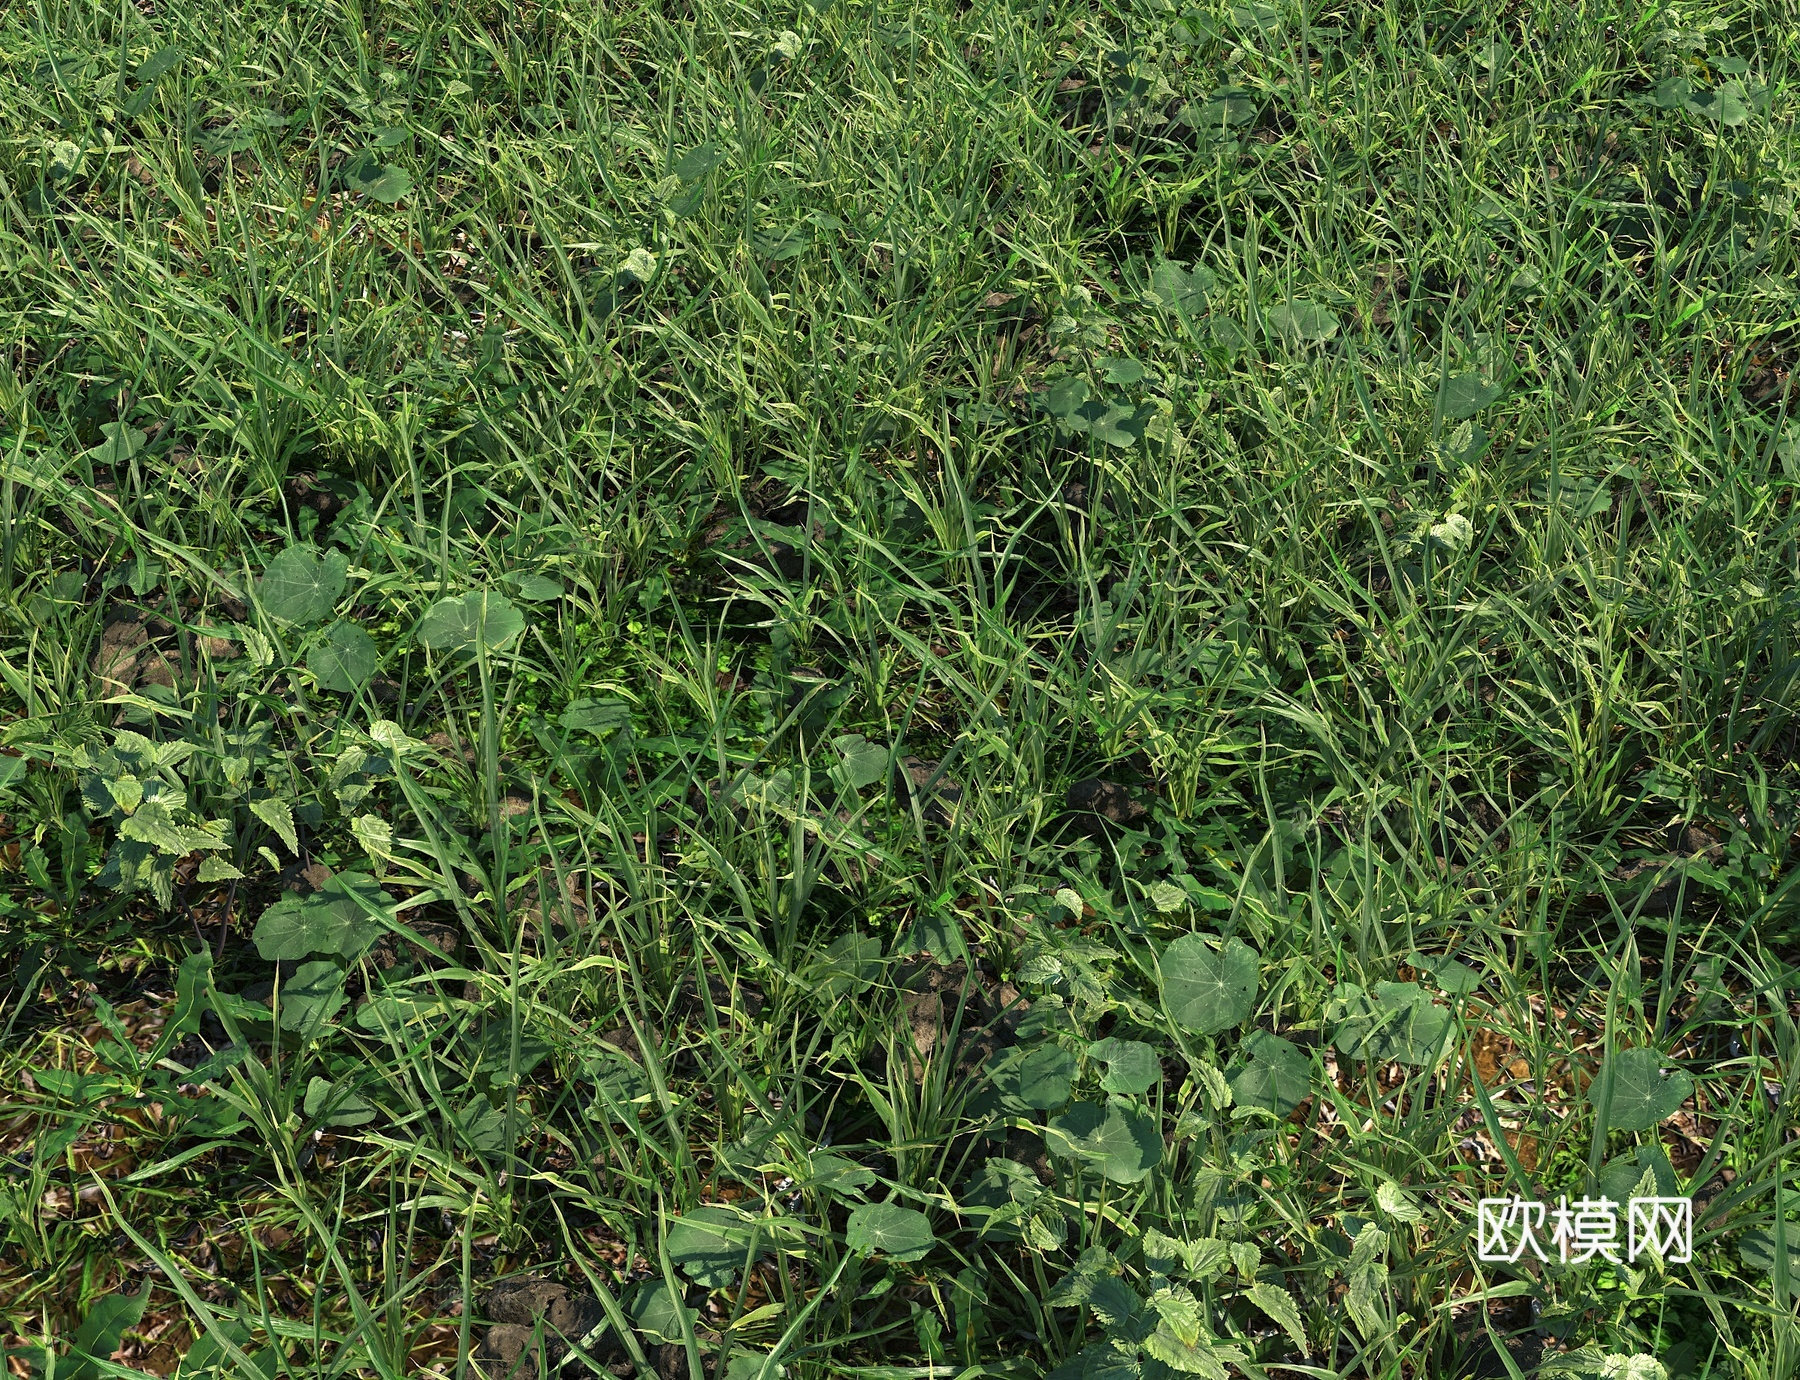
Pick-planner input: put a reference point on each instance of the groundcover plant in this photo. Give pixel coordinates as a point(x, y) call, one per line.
point(898, 689)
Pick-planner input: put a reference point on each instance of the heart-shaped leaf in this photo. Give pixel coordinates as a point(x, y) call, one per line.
point(899, 1232)
point(121, 443)
point(302, 586)
point(1131, 1065)
point(1277, 1076)
point(480, 620)
point(344, 660)
point(1122, 1141)
point(1643, 1096)
point(1207, 989)
point(863, 763)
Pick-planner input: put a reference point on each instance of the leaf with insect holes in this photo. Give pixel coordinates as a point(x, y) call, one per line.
point(639, 265)
point(333, 920)
point(1643, 1096)
point(1298, 321)
point(312, 996)
point(479, 619)
point(1207, 989)
point(344, 660)
point(1463, 396)
point(1131, 1065)
point(901, 1233)
point(369, 177)
point(334, 1104)
point(302, 586)
point(1122, 1141)
point(275, 813)
point(1277, 1076)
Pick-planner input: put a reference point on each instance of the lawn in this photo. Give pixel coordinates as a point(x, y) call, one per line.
point(897, 689)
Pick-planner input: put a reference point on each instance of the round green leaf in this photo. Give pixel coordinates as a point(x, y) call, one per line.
point(336, 1104)
point(1301, 322)
point(479, 619)
point(899, 1232)
point(709, 1244)
point(332, 920)
point(1046, 1076)
point(1207, 989)
point(1131, 1065)
point(1278, 1075)
point(344, 660)
point(657, 1311)
point(301, 586)
point(1463, 396)
point(312, 996)
point(1122, 1141)
point(372, 179)
point(1642, 1094)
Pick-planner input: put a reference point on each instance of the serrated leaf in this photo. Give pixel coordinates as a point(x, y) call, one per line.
point(1207, 989)
point(1131, 1065)
point(899, 1232)
point(479, 619)
point(275, 813)
point(1368, 1274)
point(344, 660)
point(1165, 1346)
point(213, 868)
point(1397, 1203)
point(153, 823)
point(301, 586)
point(1280, 1305)
point(1643, 1096)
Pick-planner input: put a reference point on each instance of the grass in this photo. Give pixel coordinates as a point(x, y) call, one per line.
point(634, 636)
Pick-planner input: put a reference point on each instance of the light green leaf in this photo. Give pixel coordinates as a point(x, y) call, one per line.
point(863, 763)
point(1463, 396)
point(1298, 321)
point(275, 813)
point(479, 619)
point(344, 660)
point(899, 1232)
point(121, 443)
point(383, 182)
point(1280, 1305)
point(336, 1104)
point(1131, 1065)
point(1397, 1023)
point(1277, 1077)
point(1642, 1094)
point(1167, 897)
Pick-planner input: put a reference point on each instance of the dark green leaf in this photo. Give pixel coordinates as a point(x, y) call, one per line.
point(301, 586)
point(333, 920)
point(1463, 396)
point(1123, 1142)
point(1298, 321)
point(383, 182)
point(344, 659)
point(1131, 1065)
point(335, 1104)
point(1045, 1077)
point(1277, 1076)
point(312, 996)
point(479, 619)
point(1207, 989)
point(101, 1331)
point(708, 1245)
